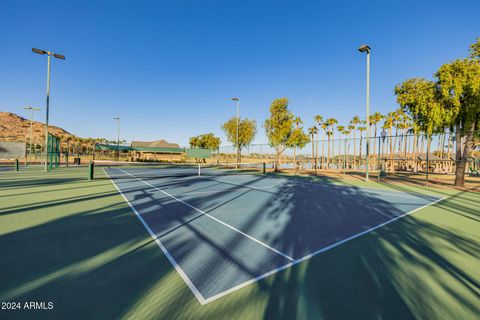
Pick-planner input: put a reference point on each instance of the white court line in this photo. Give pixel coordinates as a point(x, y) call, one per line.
point(138, 175)
point(182, 274)
point(204, 301)
point(155, 175)
point(212, 217)
point(308, 256)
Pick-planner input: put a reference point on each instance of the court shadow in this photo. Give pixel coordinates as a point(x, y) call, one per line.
point(101, 263)
point(382, 275)
point(91, 264)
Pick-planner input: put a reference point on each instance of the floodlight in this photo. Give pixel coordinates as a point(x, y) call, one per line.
point(39, 51)
point(364, 48)
point(58, 56)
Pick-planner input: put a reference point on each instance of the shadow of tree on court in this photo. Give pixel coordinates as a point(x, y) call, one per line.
point(403, 270)
point(98, 261)
point(324, 290)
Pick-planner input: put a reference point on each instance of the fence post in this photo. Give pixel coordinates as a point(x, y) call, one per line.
point(90, 170)
point(16, 164)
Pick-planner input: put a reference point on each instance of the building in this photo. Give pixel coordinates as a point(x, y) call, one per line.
point(159, 150)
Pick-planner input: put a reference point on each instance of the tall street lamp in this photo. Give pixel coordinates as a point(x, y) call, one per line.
point(58, 56)
point(237, 100)
point(117, 118)
point(31, 129)
point(365, 48)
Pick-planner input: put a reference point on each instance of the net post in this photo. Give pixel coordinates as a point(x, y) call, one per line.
point(264, 169)
point(90, 170)
point(16, 164)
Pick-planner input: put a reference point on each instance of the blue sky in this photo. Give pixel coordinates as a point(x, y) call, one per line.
point(168, 68)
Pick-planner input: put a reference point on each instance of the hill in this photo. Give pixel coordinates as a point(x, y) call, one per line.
point(16, 128)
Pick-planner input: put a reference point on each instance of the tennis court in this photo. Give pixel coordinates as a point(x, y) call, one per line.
point(242, 246)
point(223, 232)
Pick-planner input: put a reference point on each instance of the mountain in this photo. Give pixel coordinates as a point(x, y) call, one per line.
point(16, 128)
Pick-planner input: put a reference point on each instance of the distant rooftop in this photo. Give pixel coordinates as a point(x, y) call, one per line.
point(154, 144)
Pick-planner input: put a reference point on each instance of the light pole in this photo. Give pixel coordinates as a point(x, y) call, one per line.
point(31, 129)
point(118, 137)
point(365, 48)
point(58, 56)
point(237, 100)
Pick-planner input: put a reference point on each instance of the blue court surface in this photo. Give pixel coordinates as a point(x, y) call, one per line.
point(222, 233)
point(6, 168)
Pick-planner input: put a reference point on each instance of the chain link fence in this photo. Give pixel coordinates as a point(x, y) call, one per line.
point(399, 153)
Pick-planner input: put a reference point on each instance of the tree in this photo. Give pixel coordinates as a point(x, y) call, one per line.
point(193, 142)
point(247, 129)
point(319, 120)
point(325, 126)
point(361, 129)
point(475, 50)
point(347, 148)
point(313, 131)
point(396, 121)
point(297, 139)
point(351, 128)
point(340, 130)
point(388, 124)
point(279, 127)
point(419, 98)
point(207, 140)
point(453, 100)
point(331, 123)
point(459, 89)
point(374, 120)
point(354, 122)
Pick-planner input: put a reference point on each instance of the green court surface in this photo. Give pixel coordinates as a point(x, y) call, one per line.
point(77, 243)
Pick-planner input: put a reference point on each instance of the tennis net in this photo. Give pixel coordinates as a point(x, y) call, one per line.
point(128, 170)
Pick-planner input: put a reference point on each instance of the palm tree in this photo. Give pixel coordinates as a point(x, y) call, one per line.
point(413, 132)
point(449, 140)
point(406, 147)
point(297, 121)
point(340, 130)
point(361, 129)
point(384, 127)
point(331, 122)
point(374, 120)
point(347, 147)
point(325, 126)
point(354, 122)
point(401, 126)
point(388, 124)
point(319, 120)
point(351, 128)
point(406, 126)
point(329, 134)
point(312, 131)
point(396, 122)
